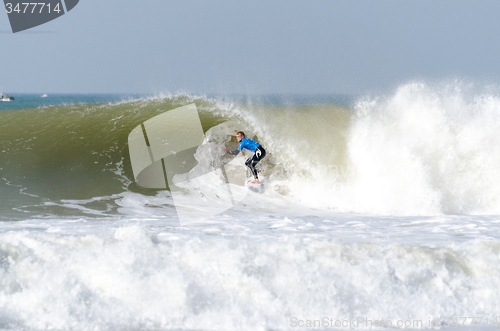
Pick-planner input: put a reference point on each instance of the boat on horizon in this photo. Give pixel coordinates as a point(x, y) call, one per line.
point(43, 96)
point(6, 97)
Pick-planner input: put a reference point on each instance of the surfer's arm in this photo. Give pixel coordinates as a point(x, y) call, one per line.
point(230, 152)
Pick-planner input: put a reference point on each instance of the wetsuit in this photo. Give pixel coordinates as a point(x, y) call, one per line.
point(259, 154)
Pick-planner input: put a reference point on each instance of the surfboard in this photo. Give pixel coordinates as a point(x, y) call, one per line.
point(257, 188)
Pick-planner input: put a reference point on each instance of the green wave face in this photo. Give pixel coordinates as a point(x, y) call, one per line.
point(74, 152)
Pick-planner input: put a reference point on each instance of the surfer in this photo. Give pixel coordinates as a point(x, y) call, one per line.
point(252, 145)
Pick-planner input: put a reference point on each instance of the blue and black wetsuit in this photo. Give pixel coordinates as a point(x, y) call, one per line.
point(259, 154)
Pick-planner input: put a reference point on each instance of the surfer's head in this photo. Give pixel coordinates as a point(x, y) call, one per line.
point(240, 135)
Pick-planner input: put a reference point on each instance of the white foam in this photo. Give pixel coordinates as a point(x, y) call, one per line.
point(136, 277)
point(423, 150)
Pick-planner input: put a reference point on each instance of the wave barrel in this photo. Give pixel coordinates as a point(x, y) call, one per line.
point(162, 153)
point(165, 144)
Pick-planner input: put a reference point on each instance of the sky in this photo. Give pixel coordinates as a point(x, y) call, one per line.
point(252, 47)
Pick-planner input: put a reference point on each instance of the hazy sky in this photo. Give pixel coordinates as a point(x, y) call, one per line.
point(108, 46)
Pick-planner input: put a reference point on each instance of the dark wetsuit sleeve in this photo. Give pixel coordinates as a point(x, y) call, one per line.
point(236, 152)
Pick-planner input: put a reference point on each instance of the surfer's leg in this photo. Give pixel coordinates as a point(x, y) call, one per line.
point(251, 162)
point(260, 153)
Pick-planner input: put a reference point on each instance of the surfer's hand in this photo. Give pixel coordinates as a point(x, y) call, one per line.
point(224, 149)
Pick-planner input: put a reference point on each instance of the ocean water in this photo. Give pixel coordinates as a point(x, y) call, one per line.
point(23, 101)
point(381, 212)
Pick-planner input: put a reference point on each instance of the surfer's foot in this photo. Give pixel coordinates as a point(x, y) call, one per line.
point(255, 181)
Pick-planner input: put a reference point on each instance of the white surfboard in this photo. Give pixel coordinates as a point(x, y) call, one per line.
point(257, 188)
